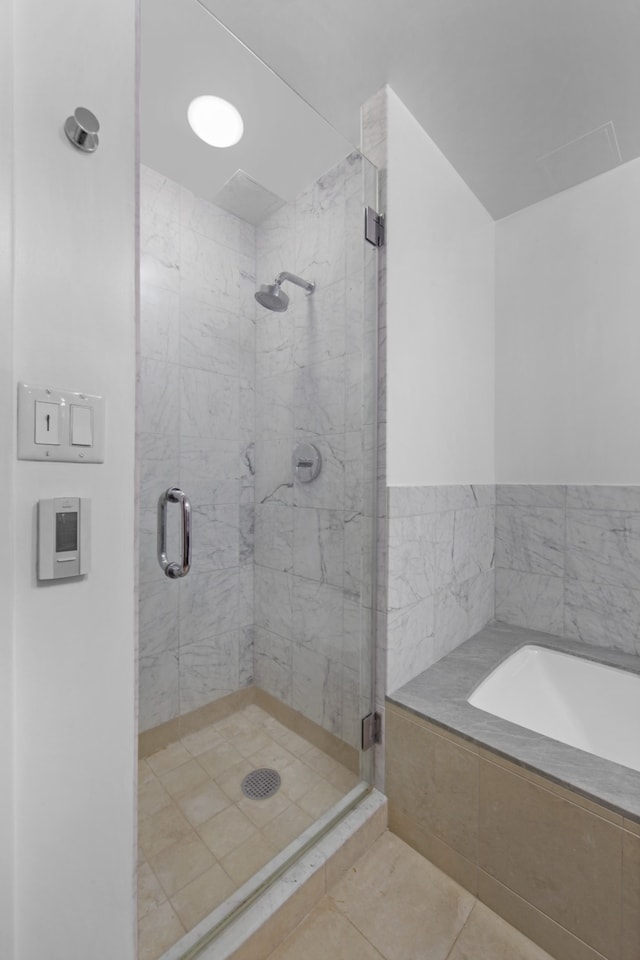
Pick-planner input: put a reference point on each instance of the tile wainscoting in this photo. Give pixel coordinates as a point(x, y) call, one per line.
point(568, 561)
point(440, 573)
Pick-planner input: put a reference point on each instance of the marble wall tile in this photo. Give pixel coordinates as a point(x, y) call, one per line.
point(198, 417)
point(274, 536)
point(208, 670)
point(208, 604)
point(531, 540)
point(328, 489)
point(603, 615)
point(481, 595)
point(318, 617)
point(358, 626)
point(440, 573)
point(410, 642)
point(316, 688)
point(216, 536)
point(209, 405)
point(352, 709)
point(530, 600)
point(210, 221)
point(358, 557)
point(274, 601)
point(412, 574)
point(319, 326)
point(159, 467)
point(209, 271)
point(246, 532)
point(319, 399)
point(531, 495)
point(209, 338)
point(274, 407)
point(275, 342)
point(273, 656)
point(245, 595)
point(159, 612)
point(320, 230)
point(159, 691)
point(588, 537)
point(603, 546)
point(412, 501)
point(473, 542)
point(159, 397)
point(275, 244)
point(273, 472)
point(246, 674)
point(211, 470)
point(594, 497)
point(159, 323)
point(319, 545)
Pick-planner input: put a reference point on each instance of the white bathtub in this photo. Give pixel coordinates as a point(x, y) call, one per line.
point(585, 704)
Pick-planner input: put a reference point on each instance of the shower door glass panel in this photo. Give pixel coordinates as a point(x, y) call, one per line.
point(261, 657)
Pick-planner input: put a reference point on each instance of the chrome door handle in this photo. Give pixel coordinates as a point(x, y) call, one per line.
point(172, 569)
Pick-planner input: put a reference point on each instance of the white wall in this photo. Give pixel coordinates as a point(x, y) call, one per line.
point(440, 316)
point(568, 335)
point(6, 478)
point(74, 328)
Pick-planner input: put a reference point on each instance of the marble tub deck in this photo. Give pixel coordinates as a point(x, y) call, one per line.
point(440, 693)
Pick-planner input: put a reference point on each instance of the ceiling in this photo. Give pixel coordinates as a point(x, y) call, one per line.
point(499, 85)
point(524, 97)
point(286, 145)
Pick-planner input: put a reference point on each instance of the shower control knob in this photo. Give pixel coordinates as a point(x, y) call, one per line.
point(82, 129)
point(307, 462)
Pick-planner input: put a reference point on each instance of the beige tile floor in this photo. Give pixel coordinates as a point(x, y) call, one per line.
point(199, 838)
point(395, 905)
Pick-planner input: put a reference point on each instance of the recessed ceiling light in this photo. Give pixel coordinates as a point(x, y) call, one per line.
point(216, 121)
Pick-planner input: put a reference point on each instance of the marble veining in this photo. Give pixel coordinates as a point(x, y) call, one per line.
point(439, 575)
point(568, 561)
point(440, 694)
point(197, 367)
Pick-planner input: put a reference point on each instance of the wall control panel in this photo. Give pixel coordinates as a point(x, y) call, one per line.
point(64, 538)
point(60, 425)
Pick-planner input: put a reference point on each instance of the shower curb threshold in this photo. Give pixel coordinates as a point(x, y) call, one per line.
point(277, 911)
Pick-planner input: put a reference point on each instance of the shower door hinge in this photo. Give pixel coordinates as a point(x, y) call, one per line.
point(371, 730)
point(374, 227)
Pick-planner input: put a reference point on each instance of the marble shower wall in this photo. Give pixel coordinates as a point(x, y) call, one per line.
point(315, 381)
point(441, 576)
point(568, 561)
point(195, 429)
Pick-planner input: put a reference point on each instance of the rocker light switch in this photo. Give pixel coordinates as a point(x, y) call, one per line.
point(60, 425)
point(81, 427)
point(47, 423)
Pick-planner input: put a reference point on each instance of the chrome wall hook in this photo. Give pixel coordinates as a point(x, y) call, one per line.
point(82, 129)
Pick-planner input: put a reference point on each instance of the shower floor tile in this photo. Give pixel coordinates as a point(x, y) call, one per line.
point(200, 838)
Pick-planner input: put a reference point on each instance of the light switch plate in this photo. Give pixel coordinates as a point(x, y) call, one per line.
point(30, 408)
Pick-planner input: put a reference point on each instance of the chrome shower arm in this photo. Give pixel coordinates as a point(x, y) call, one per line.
point(292, 278)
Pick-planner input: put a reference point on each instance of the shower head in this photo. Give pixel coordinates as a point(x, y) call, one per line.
point(271, 295)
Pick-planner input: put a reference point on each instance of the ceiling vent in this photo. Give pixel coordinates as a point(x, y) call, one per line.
point(580, 159)
point(244, 197)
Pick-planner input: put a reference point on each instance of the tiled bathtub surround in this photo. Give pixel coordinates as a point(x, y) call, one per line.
point(440, 573)
point(568, 561)
point(195, 429)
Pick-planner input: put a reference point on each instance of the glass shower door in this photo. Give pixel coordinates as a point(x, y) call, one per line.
point(255, 667)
